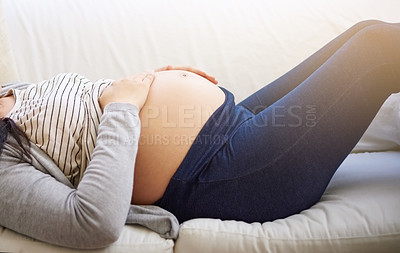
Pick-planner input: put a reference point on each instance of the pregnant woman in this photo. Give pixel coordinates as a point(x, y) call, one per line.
point(76, 154)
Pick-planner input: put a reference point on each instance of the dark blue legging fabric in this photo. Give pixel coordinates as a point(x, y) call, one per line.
point(273, 154)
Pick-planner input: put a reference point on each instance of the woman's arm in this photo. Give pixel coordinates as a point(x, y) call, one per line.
point(93, 215)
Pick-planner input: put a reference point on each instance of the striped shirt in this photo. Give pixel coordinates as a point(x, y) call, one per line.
point(61, 116)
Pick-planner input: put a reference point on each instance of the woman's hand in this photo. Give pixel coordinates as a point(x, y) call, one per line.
point(133, 90)
point(190, 69)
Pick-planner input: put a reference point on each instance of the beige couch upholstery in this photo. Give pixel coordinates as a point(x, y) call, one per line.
point(8, 70)
point(245, 44)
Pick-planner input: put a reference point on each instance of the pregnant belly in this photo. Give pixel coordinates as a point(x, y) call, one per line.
point(178, 106)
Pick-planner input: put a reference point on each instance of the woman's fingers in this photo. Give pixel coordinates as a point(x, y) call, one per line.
point(133, 89)
point(148, 79)
point(190, 69)
point(145, 78)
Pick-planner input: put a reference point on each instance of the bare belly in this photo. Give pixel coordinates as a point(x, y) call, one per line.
point(178, 105)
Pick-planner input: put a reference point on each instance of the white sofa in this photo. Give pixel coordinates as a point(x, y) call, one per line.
point(245, 44)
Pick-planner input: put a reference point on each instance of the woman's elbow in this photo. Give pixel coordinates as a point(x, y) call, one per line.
point(93, 237)
point(102, 237)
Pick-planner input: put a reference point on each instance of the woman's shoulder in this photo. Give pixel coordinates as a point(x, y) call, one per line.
point(19, 85)
point(13, 86)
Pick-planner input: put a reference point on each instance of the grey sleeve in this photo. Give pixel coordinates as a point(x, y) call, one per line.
point(154, 218)
point(93, 215)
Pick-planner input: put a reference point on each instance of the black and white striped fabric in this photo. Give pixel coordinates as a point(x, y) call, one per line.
point(61, 116)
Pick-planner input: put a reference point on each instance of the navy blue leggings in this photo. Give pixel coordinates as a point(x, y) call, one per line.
point(273, 154)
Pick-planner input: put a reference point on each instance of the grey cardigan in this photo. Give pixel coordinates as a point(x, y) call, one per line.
point(36, 199)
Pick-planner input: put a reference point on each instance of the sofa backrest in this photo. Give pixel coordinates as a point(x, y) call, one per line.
point(245, 44)
point(8, 70)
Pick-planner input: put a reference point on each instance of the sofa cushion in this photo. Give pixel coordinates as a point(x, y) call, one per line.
point(132, 239)
point(384, 131)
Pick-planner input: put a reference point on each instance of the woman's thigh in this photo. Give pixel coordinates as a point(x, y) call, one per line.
point(274, 91)
point(330, 110)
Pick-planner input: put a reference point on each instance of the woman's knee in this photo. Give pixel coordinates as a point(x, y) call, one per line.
point(374, 34)
point(378, 29)
point(366, 23)
point(382, 30)
point(384, 37)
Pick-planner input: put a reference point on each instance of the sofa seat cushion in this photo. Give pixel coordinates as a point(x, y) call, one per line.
point(132, 239)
